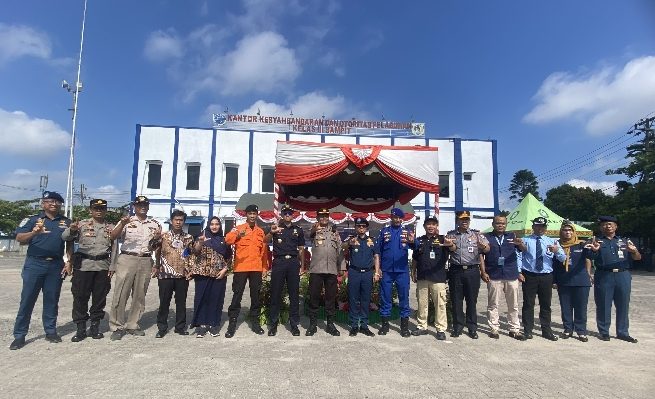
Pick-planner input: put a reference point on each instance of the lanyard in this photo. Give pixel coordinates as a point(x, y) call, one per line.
point(500, 242)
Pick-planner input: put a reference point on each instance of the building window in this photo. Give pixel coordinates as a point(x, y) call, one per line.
point(193, 176)
point(231, 177)
point(468, 176)
point(268, 177)
point(228, 224)
point(154, 174)
point(444, 185)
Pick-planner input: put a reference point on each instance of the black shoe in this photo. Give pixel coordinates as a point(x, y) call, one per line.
point(517, 335)
point(311, 330)
point(117, 335)
point(419, 331)
point(94, 331)
point(80, 335)
point(404, 327)
point(53, 338)
point(17, 344)
point(473, 334)
point(353, 331)
point(384, 328)
point(456, 333)
point(181, 332)
point(136, 332)
point(566, 334)
point(583, 337)
point(441, 336)
point(494, 334)
point(627, 338)
point(604, 337)
point(214, 331)
point(200, 332)
point(161, 333)
point(256, 328)
point(231, 328)
point(272, 331)
point(366, 331)
point(331, 329)
point(294, 330)
point(549, 336)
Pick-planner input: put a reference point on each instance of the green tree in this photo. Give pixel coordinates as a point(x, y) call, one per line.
point(12, 212)
point(577, 203)
point(523, 182)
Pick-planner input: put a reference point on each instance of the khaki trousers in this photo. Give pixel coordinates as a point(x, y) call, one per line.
point(511, 290)
point(424, 290)
point(132, 277)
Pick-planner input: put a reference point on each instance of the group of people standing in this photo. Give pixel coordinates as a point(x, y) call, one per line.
point(460, 259)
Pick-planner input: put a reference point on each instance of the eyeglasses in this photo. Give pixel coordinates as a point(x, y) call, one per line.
point(287, 213)
point(360, 225)
point(51, 201)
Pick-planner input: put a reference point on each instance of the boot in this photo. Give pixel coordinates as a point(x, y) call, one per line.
point(404, 327)
point(81, 332)
point(256, 328)
point(312, 327)
point(384, 328)
point(231, 327)
point(94, 330)
point(331, 329)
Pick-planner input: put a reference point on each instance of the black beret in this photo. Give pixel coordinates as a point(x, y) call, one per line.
point(252, 208)
point(52, 195)
point(430, 219)
point(602, 219)
point(361, 221)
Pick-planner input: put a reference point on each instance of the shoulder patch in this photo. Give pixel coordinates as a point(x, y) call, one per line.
point(23, 222)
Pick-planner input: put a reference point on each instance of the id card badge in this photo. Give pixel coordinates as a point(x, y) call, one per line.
point(433, 255)
point(501, 260)
point(471, 249)
point(621, 254)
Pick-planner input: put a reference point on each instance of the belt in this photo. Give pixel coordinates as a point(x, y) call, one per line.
point(617, 270)
point(146, 255)
point(466, 267)
point(48, 258)
point(91, 257)
point(286, 256)
point(360, 269)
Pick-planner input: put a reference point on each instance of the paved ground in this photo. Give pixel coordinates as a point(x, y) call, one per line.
point(323, 366)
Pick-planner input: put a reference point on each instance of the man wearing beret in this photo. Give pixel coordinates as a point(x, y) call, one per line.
point(43, 269)
point(537, 277)
point(92, 278)
point(393, 244)
point(612, 256)
point(134, 266)
point(363, 269)
point(249, 265)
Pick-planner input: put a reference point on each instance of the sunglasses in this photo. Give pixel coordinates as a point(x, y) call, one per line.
point(287, 213)
point(360, 225)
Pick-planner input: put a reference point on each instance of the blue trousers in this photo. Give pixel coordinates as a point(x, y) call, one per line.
point(610, 287)
point(208, 301)
point(39, 275)
point(360, 285)
point(402, 285)
point(573, 303)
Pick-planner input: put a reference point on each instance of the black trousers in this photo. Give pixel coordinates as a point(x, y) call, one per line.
point(464, 285)
point(166, 288)
point(85, 285)
point(537, 285)
point(238, 286)
point(285, 270)
point(318, 281)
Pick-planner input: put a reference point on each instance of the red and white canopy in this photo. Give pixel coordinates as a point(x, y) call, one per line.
point(268, 216)
point(365, 178)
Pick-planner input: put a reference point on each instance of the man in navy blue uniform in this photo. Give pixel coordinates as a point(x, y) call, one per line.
point(43, 269)
point(363, 269)
point(393, 243)
point(612, 281)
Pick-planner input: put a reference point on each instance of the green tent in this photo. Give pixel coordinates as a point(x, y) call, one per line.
point(520, 219)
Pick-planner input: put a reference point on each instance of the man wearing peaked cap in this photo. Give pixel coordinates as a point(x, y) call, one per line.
point(43, 268)
point(141, 199)
point(92, 278)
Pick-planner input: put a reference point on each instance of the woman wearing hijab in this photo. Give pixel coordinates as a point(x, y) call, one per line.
point(572, 278)
point(210, 276)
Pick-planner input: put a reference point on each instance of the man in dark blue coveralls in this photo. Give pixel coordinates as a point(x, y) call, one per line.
point(393, 243)
point(611, 255)
point(363, 269)
point(43, 269)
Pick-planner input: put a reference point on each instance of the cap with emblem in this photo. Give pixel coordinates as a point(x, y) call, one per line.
point(286, 210)
point(141, 199)
point(463, 214)
point(323, 211)
point(432, 219)
point(539, 221)
point(397, 212)
point(52, 195)
point(252, 208)
point(607, 218)
point(361, 222)
point(98, 203)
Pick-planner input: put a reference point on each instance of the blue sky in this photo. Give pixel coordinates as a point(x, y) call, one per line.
point(550, 80)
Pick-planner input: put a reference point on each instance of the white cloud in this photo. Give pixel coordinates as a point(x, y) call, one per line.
point(18, 41)
point(161, 46)
point(309, 105)
point(608, 187)
point(23, 135)
point(605, 100)
point(21, 184)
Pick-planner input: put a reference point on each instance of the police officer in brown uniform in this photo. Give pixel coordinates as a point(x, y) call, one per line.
point(141, 235)
point(91, 277)
point(323, 270)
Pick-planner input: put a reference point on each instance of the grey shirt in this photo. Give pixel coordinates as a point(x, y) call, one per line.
point(467, 252)
point(326, 252)
point(93, 240)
